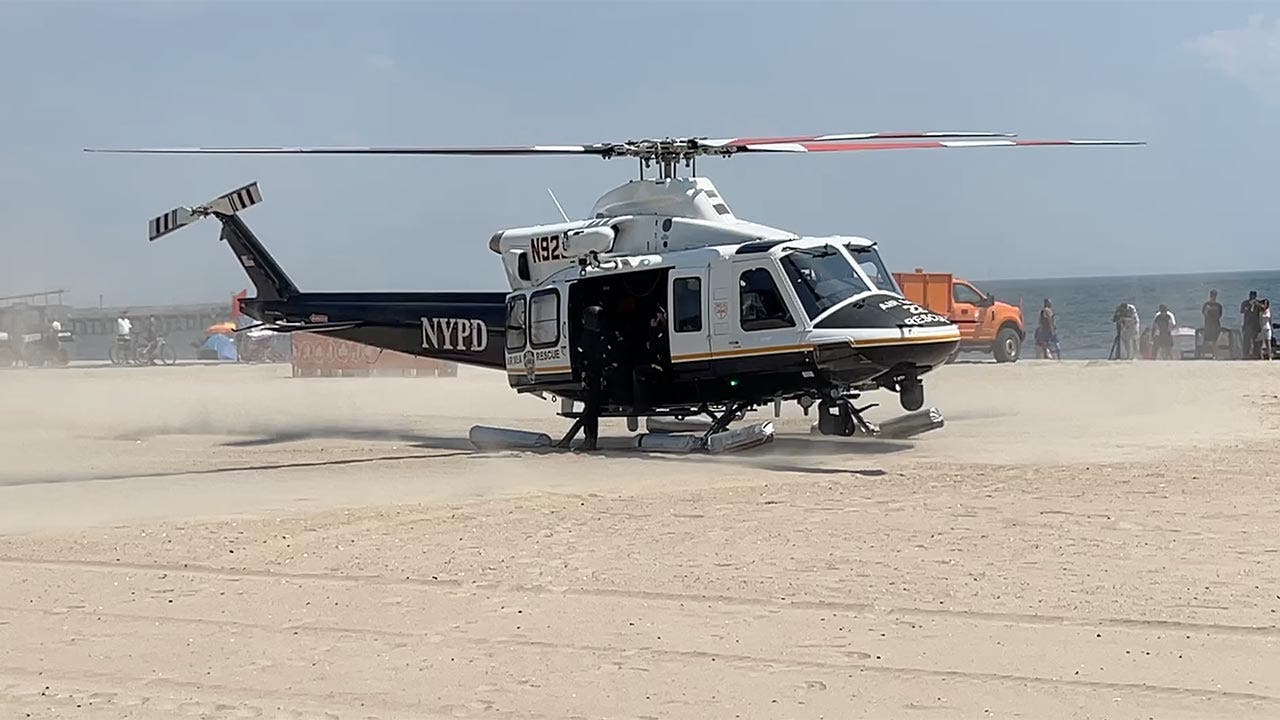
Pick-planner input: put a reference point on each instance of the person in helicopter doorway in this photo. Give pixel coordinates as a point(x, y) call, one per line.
point(651, 365)
point(594, 351)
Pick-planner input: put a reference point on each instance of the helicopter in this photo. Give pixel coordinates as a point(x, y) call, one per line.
point(718, 315)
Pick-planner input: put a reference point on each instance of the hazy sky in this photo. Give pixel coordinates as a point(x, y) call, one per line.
point(1199, 82)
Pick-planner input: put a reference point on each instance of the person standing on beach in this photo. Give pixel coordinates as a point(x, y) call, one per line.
point(1264, 329)
point(1212, 312)
point(1162, 335)
point(1129, 329)
point(1250, 327)
point(1126, 321)
point(1047, 333)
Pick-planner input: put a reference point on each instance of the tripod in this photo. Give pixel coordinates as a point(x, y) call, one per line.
point(1115, 347)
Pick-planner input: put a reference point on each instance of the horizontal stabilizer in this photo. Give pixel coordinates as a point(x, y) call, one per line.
point(228, 204)
point(313, 327)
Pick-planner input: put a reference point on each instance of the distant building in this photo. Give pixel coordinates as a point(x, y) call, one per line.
point(95, 328)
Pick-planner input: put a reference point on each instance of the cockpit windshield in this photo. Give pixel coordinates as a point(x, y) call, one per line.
point(869, 260)
point(822, 278)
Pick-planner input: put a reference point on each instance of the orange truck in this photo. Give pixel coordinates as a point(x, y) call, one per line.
point(986, 324)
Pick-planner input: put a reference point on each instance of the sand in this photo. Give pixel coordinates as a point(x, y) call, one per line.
point(1094, 540)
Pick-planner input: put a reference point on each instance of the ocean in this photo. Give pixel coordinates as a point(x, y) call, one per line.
point(1084, 305)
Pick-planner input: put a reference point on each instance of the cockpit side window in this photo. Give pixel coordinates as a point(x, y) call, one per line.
point(822, 277)
point(760, 303)
point(869, 260)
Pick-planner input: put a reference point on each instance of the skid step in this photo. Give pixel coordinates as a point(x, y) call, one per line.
point(484, 437)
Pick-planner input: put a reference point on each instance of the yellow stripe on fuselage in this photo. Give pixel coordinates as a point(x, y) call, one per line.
point(772, 350)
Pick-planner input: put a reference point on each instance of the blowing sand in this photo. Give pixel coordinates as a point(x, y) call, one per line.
point(1081, 540)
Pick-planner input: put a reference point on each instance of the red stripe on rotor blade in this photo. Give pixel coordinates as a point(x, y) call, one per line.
point(954, 144)
point(814, 138)
point(854, 146)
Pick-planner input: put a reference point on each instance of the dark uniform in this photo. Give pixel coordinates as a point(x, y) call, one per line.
point(652, 366)
point(1212, 312)
point(593, 350)
point(1251, 326)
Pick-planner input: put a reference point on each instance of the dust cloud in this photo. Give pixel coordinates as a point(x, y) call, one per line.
point(199, 538)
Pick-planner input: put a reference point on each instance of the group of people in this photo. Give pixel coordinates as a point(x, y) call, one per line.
point(1157, 341)
point(1257, 329)
point(620, 363)
point(150, 335)
point(20, 345)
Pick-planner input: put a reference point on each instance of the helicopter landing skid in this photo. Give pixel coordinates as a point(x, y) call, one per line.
point(848, 422)
point(716, 438)
point(841, 417)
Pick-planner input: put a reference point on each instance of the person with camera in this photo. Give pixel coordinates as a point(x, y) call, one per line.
point(1125, 346)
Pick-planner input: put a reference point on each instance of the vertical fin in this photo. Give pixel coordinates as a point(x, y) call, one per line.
point(269, 279)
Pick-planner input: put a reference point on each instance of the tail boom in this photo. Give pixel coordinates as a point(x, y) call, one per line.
point(467, 328)
point(463, 327)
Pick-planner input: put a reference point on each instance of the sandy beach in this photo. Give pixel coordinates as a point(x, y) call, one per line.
point(1082, 539)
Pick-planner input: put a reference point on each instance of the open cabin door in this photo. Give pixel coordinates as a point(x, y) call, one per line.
point(690, 331)
point(537, 338)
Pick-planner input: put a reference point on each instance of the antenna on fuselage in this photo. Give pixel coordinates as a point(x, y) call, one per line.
point(557, 202)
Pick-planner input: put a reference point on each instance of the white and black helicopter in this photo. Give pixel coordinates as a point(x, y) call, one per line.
point(717, 315)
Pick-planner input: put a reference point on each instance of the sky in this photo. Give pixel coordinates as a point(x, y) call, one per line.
point(1200, 82)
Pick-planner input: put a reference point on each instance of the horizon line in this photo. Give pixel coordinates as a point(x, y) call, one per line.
point(1116, 276)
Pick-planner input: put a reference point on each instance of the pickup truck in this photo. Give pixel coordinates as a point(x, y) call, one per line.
point(986, 324)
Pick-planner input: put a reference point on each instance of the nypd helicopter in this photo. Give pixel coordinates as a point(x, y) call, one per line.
point(711, 315)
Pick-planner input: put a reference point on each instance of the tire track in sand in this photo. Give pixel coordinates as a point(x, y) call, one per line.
point(1004, 618)
point(665, 654)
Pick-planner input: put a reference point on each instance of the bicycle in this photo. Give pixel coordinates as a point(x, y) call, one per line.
point(123, 351)
point(157, 350)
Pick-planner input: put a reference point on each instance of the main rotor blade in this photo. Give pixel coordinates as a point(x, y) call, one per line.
point(807, 147)
point(407, 150)
point(838, 137)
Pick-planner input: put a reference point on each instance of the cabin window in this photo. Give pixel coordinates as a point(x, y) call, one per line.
point(522, 266)
point(516, 323)
point(686, 296)
point(760, 304)
point(544, 317)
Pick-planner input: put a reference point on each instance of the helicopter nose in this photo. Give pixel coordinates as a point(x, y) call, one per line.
point(856, 355)
point(880, 334)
